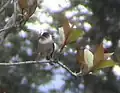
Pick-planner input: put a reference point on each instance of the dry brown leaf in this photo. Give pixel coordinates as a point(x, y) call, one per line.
point(99, 54)
point(27, 7)
point(80, 57)
point(66, 26)
point(67, 29)
point(100, 60)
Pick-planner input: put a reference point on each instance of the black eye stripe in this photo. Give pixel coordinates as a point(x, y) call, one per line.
point(45, 34)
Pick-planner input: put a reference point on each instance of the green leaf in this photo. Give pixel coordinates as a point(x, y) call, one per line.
point(74, 35)
point(105, 64)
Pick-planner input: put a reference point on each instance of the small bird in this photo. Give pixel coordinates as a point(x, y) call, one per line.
point(46, 46)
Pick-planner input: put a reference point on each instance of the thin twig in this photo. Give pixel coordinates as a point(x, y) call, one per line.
point(15, 11)
point(70, 71)
point(42, 62)
point(7, 28)
point(12, 20)
point(10, 24)
point(22, 63)
point(4, 6)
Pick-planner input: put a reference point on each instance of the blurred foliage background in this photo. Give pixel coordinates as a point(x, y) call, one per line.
point(99, 18)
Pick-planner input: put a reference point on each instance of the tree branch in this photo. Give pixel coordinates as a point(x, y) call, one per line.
point(22, 63)
point(4, 6)
point(68, 69)
point(43, 62)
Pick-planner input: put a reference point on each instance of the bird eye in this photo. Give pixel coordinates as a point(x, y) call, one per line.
point(45, 34)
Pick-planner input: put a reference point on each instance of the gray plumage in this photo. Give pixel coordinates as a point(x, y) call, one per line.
point(45, 46)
